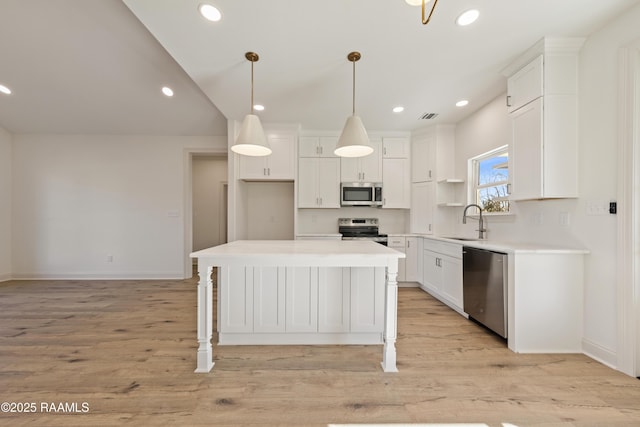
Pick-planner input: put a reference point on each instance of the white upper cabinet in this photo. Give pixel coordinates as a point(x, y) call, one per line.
point(525, 85)
point(396, 184)
point(432, 153)
point(395, 148)
point(317, 146)
point(543, 151)
point(363, 169)
point(278, 166)
point(318, 182)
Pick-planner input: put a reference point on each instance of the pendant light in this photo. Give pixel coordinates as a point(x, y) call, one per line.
point(353, 141)
point(251, 140)
point(422, 3)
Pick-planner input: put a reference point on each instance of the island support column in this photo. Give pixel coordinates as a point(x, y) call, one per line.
point(390, 318)
point(205, 318)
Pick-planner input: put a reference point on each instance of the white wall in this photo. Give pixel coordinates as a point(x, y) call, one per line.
point(320, 221)
point(209, 208)
point(270, 210)
point(5, 204)
point(539, 221)
point(79, 200)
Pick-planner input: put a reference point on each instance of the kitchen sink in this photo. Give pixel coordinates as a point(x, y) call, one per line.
point(464, 239)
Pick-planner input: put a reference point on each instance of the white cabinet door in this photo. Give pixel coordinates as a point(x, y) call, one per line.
point(451, 285)
point(269, 299)
point(398, 243)
point(363, 169)
point(367, 299)
point(525, 85)
point(302, 299)
point(318, 182)
point(423, 153)
point(279, 165)
point(411, 262)
point(308, 181)
point(317, 146)
point(432, 275)
point(333, 299)
point(396, 184)
point(395, 148)
point(236, 313)
point(422, 206)
point(525, 168)
point(329, 182)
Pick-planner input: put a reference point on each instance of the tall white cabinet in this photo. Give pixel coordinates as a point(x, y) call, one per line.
point(432, 159)
point(318, 173)
point(542, 100)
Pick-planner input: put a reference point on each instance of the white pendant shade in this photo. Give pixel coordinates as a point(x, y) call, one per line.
point(353, 141)
point(251, 140)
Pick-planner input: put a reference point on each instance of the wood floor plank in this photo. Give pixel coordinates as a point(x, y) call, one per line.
point(127, 348)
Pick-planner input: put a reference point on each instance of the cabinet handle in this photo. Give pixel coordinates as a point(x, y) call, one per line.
point(269, 171)
point(429, 173)
point(321, 150)
point(320, 201)
point(429, 227)
point(384, 151)
point(264, 171)
point(509, 189)
point(408, 243)
point(508, 100)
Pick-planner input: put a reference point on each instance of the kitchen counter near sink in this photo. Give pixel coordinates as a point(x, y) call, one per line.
point(544, 293)
point(508, 247)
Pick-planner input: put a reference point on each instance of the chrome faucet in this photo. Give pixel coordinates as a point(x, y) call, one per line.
point(481, 229)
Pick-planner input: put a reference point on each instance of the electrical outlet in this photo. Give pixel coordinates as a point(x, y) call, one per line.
point(563, 218)
point(109, 258)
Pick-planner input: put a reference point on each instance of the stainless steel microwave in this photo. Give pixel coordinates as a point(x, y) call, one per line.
point(361, 194)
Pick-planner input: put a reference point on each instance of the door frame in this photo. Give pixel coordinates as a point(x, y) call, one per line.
point(628, 262)
point(188, 155)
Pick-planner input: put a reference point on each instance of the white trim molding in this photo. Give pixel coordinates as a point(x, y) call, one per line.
point(628, 343)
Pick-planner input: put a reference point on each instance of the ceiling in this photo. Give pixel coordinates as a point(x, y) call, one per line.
point(97, 66)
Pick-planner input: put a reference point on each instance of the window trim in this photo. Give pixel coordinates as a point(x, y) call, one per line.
point(473, 174)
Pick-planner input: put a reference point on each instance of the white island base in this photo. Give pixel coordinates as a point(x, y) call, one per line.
point(299, 292)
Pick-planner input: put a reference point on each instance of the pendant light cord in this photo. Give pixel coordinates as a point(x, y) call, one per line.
point(353, 111)
point(251, 106)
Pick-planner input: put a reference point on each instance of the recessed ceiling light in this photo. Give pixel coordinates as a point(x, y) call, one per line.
point(415, 2)
point(398, 109)
point(258, 107)
point(210, 12)
point(167, 91)
point(468, 17)
point(462, 103)
point(5, 90)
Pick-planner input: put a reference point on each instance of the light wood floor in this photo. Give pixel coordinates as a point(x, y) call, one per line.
point(127, 349)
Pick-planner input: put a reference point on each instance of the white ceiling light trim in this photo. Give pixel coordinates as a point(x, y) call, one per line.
point(353, 141)
point(251, 140)
point(462, 103)
point(398, 109)
point(258, 107)
point(167, 91)
point(5, 90)
point(209, 12)
point(468, 17)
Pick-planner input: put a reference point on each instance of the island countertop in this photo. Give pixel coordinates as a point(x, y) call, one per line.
point(299, 252)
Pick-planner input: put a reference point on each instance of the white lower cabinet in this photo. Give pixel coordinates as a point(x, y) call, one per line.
point(284, 303)
point(407, 267)
point(442, 272)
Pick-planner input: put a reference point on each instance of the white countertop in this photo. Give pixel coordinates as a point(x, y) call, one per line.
point(511, 247)
point(300, 252)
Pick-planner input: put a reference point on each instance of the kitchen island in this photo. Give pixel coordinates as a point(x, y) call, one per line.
point(282, 292)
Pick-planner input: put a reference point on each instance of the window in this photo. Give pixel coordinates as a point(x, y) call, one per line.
point(490, 178)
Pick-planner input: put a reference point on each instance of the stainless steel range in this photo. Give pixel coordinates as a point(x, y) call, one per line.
point(361, 229)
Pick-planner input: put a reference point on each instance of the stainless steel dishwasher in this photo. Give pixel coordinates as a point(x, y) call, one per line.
point(484, 284)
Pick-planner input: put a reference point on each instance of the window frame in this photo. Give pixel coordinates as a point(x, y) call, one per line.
point(473, 172)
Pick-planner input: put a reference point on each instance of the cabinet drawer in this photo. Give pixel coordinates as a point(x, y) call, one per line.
point(396, 241)
point(445, 248)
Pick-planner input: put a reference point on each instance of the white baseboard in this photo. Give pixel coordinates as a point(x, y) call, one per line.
point(5, 277)
point(134, 275)
point(601, 354)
